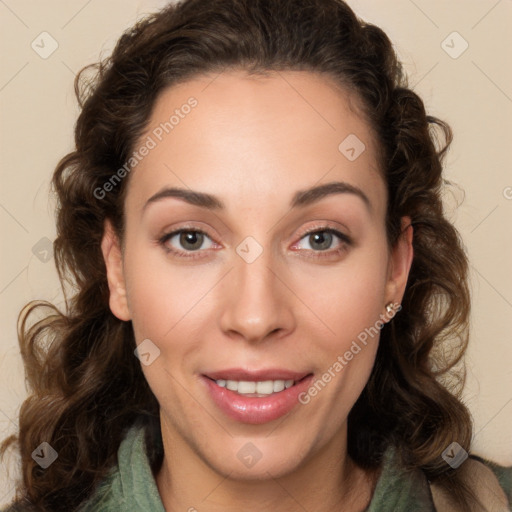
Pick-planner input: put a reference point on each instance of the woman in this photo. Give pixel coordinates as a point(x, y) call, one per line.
point(263, 278)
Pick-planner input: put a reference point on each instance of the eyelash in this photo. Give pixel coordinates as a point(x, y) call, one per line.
point(344, 239)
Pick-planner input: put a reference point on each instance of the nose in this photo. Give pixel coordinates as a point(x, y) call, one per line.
point(257, 304)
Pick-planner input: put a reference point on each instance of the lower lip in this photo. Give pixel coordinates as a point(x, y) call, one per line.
point(256, 410)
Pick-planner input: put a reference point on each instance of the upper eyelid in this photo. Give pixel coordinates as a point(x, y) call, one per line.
point(327, 228)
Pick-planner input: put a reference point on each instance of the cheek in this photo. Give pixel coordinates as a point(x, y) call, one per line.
point(351, 297)
point(167, 301)
point(351, 305)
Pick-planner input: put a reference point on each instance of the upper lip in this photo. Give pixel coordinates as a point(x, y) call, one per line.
point(240, 374)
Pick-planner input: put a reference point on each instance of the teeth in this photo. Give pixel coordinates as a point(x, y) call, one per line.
point(279, 385)
point(265, 387)
point(245, 387)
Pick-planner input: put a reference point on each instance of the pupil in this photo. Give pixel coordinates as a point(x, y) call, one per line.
point(326, 237)
point(191, 238)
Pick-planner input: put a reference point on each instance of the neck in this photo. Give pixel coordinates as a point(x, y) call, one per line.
point(328, 480)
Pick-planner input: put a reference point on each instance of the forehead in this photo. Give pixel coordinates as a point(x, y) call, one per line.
point(240, 136)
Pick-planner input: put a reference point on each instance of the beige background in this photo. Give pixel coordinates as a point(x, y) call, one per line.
point(473, 92)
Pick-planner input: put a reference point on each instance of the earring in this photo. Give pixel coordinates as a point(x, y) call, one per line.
point(390, 308)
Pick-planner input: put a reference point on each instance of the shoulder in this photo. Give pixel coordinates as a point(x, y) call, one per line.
point(400, 489)
point(491, 483)
point(100, 501)
point(110, 490)
point(128, 486)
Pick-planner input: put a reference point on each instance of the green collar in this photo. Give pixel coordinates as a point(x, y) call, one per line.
point(400, 490)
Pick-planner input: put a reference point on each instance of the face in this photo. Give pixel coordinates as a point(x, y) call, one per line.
point(262, 273)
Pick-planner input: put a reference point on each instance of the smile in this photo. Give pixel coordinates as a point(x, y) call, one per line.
point(256, 401)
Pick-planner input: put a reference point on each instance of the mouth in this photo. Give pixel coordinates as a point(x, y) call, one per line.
point(256, 397)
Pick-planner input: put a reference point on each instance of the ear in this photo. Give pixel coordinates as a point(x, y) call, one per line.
point(400, 263)
point(112, 255)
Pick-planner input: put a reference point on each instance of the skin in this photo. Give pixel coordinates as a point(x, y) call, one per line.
point(254, 142)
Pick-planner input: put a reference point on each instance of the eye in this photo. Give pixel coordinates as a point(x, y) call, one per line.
point(188, 243)
point(321, 239)
point(191, 240)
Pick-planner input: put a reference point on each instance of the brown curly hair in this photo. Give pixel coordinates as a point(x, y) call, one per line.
point(86, 385)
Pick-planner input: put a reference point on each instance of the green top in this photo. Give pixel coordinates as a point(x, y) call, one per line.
point(131, 487)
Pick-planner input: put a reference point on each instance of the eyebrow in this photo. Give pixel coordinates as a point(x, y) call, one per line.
point(301, 198)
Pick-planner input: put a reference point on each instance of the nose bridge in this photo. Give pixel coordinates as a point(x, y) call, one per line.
point(256, 302)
